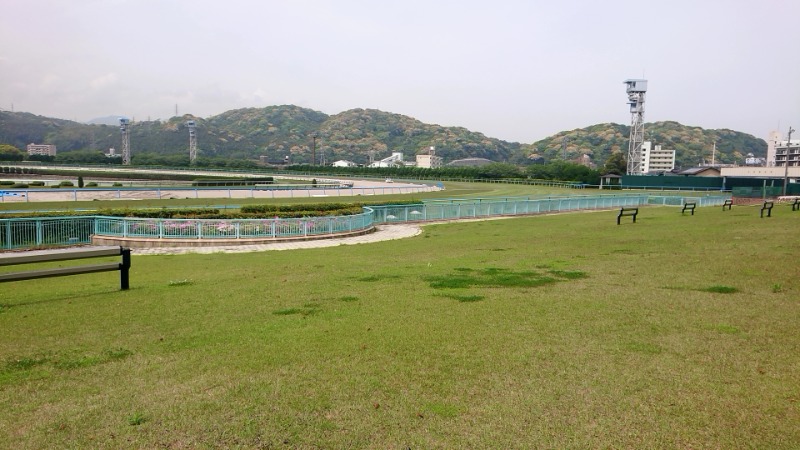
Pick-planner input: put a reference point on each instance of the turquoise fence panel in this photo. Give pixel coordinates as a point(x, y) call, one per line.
point(229, 229)
point(482, 207)
point(33, 232)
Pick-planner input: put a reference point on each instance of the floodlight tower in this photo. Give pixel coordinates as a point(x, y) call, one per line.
point(126, 143)
point(636, 90)
point(192, 141)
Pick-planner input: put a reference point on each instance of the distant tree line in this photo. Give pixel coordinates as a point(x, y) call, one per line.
point(96, 157)
point(557, 171)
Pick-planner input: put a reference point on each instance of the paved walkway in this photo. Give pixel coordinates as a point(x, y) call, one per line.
point(383, 233)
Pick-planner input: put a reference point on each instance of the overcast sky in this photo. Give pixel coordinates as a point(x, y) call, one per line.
point(511, 69)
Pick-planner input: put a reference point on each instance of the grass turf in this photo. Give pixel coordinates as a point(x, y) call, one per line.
point(563, 331)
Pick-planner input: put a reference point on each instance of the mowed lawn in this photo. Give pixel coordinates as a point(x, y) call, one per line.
point(559, 331)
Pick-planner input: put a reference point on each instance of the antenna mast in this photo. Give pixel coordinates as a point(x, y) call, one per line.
point(636, 90)
point(126, 143)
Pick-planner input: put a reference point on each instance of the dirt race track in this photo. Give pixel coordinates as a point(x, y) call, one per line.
point(359, 187)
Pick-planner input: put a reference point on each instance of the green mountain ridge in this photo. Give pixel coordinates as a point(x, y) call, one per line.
point(276, 132)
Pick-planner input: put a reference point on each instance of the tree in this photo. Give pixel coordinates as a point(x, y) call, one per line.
point(10, 153)
point(42, 158)
point(615, 164)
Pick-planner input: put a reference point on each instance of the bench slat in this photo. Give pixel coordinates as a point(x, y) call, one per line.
point(61, 271)
point(8, 259)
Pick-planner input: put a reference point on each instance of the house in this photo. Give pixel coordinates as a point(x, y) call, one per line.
point(344, 163)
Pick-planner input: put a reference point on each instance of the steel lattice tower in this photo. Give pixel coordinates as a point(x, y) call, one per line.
point(192, 141)
point(636, 90)
point(126, 143)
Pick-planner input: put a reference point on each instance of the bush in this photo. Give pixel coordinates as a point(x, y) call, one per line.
point(258, 209)
point(91, 184)
point(66, 184)
point(19, 186)
point(117, 185)
point(37, 183)
point(6, 183)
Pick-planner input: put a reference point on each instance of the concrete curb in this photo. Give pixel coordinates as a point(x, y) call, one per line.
point(383, 233)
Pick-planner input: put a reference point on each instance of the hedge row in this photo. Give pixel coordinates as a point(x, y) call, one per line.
point(196, 213)
point(260, 209)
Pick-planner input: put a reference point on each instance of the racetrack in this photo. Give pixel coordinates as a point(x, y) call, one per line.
point(350, 189)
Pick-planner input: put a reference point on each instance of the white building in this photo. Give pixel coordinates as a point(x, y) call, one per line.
point(752, 160)
point(779, 151)
point(395, 160)
point(430, 160)
point(655, 159)
point(344, 163)
point(41, 149)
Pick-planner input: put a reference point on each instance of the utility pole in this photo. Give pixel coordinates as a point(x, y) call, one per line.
point(714, 154)
point(786, 163)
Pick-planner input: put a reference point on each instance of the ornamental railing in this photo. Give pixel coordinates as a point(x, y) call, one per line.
point(127, 227)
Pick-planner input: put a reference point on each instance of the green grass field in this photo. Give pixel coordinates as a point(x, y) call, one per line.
point(561, 331)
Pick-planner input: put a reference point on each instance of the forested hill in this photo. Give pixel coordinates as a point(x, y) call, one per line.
point(279, 131)
point(693, 145)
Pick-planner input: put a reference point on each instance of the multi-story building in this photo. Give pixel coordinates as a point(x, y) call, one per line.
point(42, 149)
point(655, 159)
point(779, 151)
point(429, 161)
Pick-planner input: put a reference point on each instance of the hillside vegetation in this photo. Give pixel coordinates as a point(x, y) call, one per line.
point(276, 132)
point(693, 145)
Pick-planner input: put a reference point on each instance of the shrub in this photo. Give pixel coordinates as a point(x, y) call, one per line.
point(66, 183)
point(6, 183)
point(37, 183)
point(19, 186)
point(91, 184)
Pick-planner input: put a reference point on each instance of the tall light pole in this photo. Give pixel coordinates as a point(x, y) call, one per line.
point(192, 141)
point(126, 143)
point(636, 90)
point(786, 163)
point(313, 149)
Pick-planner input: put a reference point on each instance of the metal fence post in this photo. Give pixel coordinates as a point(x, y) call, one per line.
point(124, 268)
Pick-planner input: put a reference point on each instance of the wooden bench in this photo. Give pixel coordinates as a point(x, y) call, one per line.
point(768, 208)
point(624, 212)
point(67, 254)
point(689, 206)
point(796, 204)
point(728, 204)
